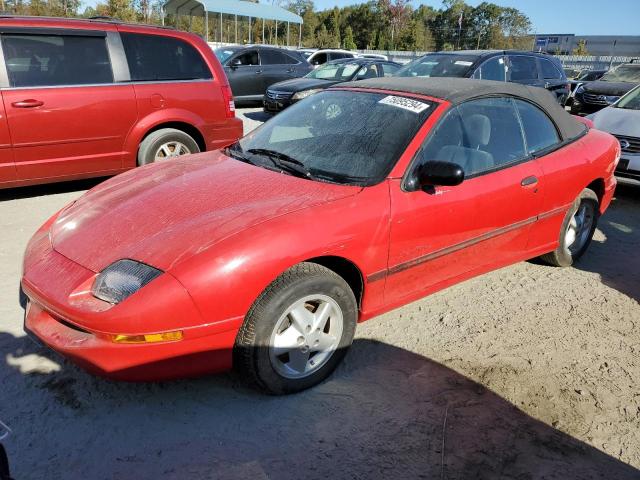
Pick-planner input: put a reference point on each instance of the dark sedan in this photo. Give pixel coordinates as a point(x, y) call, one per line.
point(280, 95)
point(527, 68)
point(594, 96)
point(252, 69)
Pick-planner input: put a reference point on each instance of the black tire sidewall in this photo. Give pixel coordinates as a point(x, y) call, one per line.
point(150, 144)
point(275, 306)
point(564, 255)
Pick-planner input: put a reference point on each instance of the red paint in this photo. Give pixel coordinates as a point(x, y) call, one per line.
point(76, 132)
point(223, 230)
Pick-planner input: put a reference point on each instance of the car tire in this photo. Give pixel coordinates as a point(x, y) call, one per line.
point(577, 230)
point(165, 143)
point(283, 332)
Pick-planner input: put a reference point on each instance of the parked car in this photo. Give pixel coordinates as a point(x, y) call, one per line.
point(355, 201)
point(251, 70)
point(526, 68)
point(281, 95)
point(583, 77)
point(622, 119)
point(377, 56)
point(320, 57)
point(88, 98)
point(593, 96)
point(307, 52)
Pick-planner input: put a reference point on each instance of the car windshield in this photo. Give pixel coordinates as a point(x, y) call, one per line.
point(438, 65)
point(334, 71)
point(223, 53)
point(345, 137)
point(624, 73)
point(631, 101)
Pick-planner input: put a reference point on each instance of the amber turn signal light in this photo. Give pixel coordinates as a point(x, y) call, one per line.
point(149, 338)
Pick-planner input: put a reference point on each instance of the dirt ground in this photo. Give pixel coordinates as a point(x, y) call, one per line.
point(527, 372)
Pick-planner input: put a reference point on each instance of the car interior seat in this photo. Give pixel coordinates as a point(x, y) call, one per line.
point(471, 157)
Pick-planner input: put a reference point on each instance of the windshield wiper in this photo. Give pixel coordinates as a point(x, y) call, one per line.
point(283, 161)
point(236, 152)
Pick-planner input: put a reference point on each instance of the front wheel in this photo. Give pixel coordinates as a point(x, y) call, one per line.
point(298, 330)
point(577, 230)
point(165, 144)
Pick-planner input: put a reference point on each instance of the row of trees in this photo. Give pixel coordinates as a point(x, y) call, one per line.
point(376, 24)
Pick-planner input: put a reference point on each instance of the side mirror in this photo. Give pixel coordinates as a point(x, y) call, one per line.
point(437, 173)
point(235, 63)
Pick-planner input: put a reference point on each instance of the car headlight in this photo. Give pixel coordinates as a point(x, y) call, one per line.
point(305, 93)
point(122, 279)
point(580, 89)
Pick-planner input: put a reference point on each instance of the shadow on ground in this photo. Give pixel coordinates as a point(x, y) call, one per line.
point(258, 116)
point(617, 259)
point(385, 413)
point(49, 189)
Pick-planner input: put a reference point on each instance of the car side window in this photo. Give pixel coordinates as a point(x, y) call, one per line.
point(492, 69)
point(274, 57)
point(368, 71)
point(480, 136)
point(539, 130)
point(549, 70)
point(51, 60)
point(158, 57)
point(389, 69)
point(249, 58)
point(523, 67)
point(319, 59)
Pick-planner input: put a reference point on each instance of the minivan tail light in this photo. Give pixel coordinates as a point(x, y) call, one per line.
point(229, 105)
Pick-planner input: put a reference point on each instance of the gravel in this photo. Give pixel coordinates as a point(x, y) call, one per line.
point(527, 372)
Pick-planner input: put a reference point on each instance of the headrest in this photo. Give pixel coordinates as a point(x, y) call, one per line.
point(478, 129)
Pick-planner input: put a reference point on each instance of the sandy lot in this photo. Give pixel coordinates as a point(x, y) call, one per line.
point(528, 372)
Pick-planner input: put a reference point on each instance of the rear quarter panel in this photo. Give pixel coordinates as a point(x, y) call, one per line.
point(567, 172)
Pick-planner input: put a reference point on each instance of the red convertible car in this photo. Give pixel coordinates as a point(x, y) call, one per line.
point(355, 201)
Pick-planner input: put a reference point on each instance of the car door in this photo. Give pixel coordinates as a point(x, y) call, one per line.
point(446, 232)
point(494, 68)
point(7, 167)
point(543, 141)
point(245, 74)
point(554, 80)
point(524, 69)
point(276, 66)
point(66, 113)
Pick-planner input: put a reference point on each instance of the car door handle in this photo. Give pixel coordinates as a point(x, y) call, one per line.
point(529, 181)
point(258, 71)
point(29, 103)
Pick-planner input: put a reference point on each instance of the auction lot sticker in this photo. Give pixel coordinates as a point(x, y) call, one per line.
point(414, 106)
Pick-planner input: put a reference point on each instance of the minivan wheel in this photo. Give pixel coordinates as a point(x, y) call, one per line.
point(165, 144)
point(298, 330)
point(577, 230)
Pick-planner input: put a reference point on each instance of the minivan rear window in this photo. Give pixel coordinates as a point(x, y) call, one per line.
point(160, 58)
point(54, 60)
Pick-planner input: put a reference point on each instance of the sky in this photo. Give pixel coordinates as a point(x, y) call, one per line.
point(584, 17)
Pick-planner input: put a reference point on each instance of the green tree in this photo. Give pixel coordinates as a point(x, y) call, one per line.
point(348, 41)
point(581, 48)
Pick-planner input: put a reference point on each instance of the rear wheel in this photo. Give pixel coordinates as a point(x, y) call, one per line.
point(577, 230)
point(298, 330)
point(165, 144)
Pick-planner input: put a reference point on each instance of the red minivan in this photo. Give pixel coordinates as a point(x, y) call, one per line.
point(89, 98)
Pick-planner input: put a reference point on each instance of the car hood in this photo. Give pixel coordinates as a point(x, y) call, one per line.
point(166, 212)
point(299, 84)
point(608, 88)
point(619, 121)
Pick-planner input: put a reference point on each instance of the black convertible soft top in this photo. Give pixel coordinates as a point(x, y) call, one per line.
point(459, 90)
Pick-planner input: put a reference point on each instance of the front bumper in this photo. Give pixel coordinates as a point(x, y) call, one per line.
point(276, 105)
point(62, 314)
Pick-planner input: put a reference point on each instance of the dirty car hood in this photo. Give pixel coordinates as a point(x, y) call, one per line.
point(163, 213)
